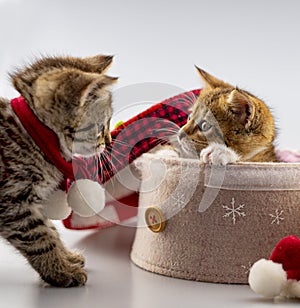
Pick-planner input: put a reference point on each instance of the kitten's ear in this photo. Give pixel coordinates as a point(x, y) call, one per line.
point(211, 81)
point(242, 107)
point(99, 63)
point(96, 89)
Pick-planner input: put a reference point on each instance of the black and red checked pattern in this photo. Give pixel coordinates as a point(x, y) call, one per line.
point(136, 136)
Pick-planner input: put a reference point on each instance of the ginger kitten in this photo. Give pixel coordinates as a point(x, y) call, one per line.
point(227, 125)
point(61, 92)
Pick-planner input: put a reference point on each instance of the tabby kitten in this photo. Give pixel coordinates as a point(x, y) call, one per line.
point(227, 125)
point(61, 92)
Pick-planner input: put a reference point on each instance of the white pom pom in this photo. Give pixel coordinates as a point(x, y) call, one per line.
point(267, 278)
point(56, 207)
point(292, 289)
point(86, 197)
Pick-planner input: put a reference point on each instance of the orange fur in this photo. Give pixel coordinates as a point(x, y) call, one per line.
point(225, 114)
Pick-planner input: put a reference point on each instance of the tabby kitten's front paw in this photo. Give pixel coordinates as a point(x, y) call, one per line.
point(218, 154)
point(63, 268)
point(72, 276)
point(76, 258)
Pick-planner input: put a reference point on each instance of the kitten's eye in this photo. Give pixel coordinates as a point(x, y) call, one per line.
point(86, 128)
point(189, 117)
point(204, 126)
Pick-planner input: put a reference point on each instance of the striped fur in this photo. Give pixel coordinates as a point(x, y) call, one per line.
point(68, 95)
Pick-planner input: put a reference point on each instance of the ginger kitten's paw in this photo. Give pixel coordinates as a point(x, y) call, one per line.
point(218, 154)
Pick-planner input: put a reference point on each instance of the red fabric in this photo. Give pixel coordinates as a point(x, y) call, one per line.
point(43, 136)
point(287, 253)
point(129, 141)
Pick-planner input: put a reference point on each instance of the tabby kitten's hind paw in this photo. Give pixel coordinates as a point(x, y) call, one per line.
point(218, 154)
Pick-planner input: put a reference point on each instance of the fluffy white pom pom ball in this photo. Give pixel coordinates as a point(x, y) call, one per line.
point(56, 206)
point(86, 197)
point(267, 278)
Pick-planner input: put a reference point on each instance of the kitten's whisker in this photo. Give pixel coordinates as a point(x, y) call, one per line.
point(107, 166)
point(103, 158)
point(112, 171)
point(167, 135)
point(120, 142)
point(173, 124)
point(110, 162)
point(114, 157)
point(100, 169)
point(114, 150)
point(167, 130)
point(191, 97)
point(115, 145)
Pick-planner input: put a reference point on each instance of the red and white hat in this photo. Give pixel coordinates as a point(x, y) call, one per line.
point(280, 275)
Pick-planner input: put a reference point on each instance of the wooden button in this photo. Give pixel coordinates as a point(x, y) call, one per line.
point(155, 219)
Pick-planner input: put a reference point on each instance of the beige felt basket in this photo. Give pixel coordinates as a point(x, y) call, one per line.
point(213, 233)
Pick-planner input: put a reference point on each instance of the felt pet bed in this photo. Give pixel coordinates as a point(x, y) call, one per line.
point(211, 224)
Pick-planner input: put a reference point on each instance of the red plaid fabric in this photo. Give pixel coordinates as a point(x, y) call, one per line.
point(138, 135)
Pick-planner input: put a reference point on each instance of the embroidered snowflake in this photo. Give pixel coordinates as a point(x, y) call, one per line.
point(179, 200)
point(277, 217)
point(234, 211)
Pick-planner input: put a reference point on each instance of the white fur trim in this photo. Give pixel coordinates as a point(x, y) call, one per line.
point(267, 278)
point(86, 197)
point(56, 206)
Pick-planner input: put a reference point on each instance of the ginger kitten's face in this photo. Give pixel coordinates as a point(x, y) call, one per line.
point(71, 96)
point(227, 115)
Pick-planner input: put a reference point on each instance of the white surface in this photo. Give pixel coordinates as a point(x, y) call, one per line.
point(115, 282)
point(254, 44)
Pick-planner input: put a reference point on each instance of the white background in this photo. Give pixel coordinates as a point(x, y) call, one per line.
point(253, 44)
